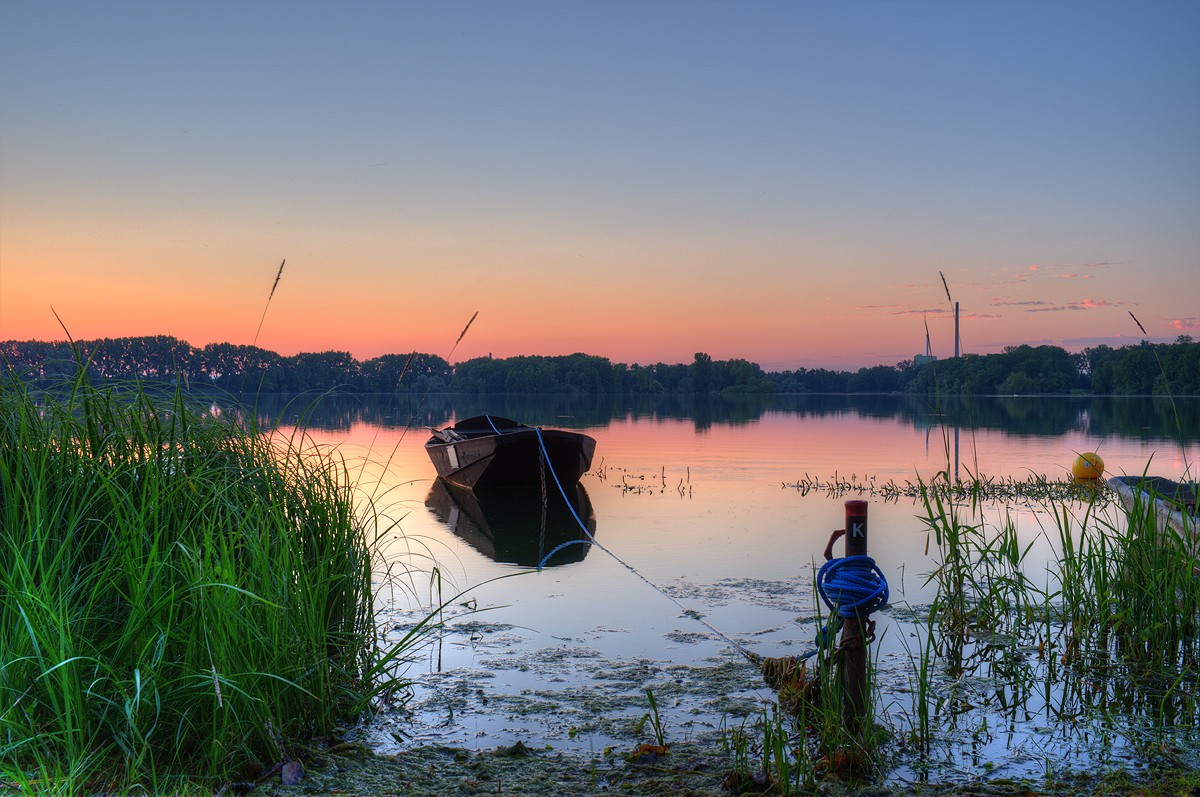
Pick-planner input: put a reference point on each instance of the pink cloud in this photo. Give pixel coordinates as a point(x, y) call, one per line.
point(922, 311)
point(1081, 304)
point(1185, 323)
point(1066, 270)
point(1015, 303)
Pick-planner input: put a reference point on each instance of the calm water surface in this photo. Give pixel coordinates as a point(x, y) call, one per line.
point(699, 502)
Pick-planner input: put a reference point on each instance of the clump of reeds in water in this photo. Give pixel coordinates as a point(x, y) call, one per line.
point(1104, 635)
point(181, 599)
point(1110, 629)
point(1034, 488)
point(1132, 584)
point(1115, 571)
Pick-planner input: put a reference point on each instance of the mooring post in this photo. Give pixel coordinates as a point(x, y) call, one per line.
point(854, 645)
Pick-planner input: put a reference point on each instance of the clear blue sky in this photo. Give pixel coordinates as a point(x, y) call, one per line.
point(780, 181)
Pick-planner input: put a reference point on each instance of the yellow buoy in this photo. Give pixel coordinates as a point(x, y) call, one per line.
point(1087, 467)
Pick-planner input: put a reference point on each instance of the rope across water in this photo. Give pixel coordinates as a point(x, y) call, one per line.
point(591, 540)
point(853, 585)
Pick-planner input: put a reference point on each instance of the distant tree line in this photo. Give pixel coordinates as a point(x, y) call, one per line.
point(226, 366)
point(1143, 369)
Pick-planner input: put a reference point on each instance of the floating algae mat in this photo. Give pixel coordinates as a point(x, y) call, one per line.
point(495, 686)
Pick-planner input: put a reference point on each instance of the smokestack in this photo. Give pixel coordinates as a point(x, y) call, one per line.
point(956, 341)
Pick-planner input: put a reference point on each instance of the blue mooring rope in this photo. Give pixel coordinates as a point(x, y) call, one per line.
point(591, 540)
point(853, 586)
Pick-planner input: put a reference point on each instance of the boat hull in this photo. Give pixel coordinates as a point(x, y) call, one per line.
point(503, 453)
point(1174, 504)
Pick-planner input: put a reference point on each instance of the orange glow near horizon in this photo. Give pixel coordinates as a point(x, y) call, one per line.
point(783, 314)
point(784, 329)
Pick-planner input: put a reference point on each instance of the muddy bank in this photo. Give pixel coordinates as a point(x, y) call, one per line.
point(688, 770)
point(515, 770)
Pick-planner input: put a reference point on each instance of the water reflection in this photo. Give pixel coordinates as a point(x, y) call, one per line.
point(739, 550)
point(1139, 418)
point(512, 526)
point(1092, 706)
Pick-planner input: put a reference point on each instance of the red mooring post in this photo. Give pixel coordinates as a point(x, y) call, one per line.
point(853, 645)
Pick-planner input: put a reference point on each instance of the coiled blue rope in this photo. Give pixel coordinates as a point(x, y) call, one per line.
point(852, 586)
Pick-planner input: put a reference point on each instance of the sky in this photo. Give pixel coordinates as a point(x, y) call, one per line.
point(783, 182)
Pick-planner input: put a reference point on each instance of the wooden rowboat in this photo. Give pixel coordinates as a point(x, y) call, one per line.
point(490, 451)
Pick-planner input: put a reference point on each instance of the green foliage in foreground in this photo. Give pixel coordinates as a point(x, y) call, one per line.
point(180, 598)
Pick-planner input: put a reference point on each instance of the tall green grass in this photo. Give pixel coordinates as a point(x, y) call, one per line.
point(183, 596)
point(1140, 593)
point(1118, 580)
point(1110, 636)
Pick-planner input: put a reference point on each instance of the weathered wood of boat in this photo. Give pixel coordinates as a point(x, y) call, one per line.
point(1174, 503)
point(490, 451)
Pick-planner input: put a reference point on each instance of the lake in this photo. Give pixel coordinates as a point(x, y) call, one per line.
point(708, 532)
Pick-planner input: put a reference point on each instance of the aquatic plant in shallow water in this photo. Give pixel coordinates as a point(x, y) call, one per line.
point(1122, 583)
point(1101, 653)
point(1034, 489)
point(182, 597)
